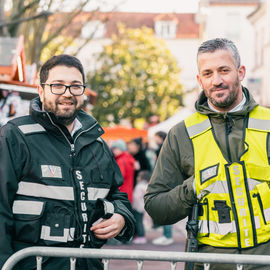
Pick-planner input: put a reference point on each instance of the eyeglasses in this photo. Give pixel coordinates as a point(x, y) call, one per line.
point(60, 89)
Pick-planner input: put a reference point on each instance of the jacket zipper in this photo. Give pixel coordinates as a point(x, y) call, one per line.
point(72, 148)
point(227, 132)
point(72, 145)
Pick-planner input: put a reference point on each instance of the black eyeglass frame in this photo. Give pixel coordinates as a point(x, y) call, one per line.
point(66, 87)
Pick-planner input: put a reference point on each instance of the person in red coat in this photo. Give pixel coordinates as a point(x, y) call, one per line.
point(125, 162)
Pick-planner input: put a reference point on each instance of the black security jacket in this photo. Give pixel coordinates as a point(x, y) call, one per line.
point(50, 183)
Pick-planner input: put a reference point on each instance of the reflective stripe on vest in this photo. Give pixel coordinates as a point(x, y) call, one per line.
point(96, 193)
point(58, 192)
point(199, 128)
point(27, 207)
point(220, 187)
point(68, 234)
point(32, 128)
point(40, 190)
point(234, 198)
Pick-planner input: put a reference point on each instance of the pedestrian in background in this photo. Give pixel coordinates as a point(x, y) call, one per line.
point(138, 151)
point(10, 106)
point(138, 206)
point(125, 162)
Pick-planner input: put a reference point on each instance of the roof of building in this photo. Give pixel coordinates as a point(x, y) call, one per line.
point(13, 70)
point(186, 24)
point(235, 2)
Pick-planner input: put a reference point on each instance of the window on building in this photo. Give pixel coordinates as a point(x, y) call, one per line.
point(233, 29)
point(165, 29)
point(94, 29)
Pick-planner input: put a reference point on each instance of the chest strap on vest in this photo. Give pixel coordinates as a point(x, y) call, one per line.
point(241, 203)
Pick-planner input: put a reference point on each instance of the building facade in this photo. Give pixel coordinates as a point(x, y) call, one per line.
point(260, 20)
point(229, 19)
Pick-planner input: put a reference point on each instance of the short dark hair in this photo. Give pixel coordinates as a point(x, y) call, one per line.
point(213, 45)
point(137, 141)
point(161, 134)
point(60, 60)
point(145, 175)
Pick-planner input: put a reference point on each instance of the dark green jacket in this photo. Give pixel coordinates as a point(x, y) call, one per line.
point(51, 183)
point(170, 196)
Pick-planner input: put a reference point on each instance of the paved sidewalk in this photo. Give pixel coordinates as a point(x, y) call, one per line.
point(179, 236)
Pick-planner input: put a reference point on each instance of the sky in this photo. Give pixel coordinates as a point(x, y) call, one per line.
point(155, 6)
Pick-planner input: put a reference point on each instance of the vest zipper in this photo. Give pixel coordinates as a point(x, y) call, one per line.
point(228, 128)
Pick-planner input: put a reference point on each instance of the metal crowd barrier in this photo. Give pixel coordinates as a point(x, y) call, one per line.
point(139, 255)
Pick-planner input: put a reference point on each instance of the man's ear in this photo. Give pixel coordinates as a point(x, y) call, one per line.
point(199, 81)
point(241, 73)
point(40, 92)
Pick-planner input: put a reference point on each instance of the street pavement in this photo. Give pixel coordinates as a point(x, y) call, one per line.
point(179, 236)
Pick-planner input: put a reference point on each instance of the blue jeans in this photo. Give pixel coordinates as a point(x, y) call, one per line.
point(139, 223)
point(167, 231)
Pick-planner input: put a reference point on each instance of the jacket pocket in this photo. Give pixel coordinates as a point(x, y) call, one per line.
point(102, 175)
point(57, 226)
point(27, 216)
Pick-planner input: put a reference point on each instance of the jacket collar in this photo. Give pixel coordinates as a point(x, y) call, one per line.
point(50, 122)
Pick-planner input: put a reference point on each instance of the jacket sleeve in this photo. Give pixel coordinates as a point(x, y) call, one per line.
point(121, 203)
point(10, 160)
point(170, 196)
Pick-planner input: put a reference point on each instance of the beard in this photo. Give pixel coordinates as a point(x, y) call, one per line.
point(230, 99)
point(63, 116)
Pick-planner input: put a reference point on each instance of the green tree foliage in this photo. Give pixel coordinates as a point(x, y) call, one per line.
point(137, 78)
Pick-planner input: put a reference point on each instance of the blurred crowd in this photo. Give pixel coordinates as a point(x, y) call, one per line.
point(136, 160)
point(11, 105)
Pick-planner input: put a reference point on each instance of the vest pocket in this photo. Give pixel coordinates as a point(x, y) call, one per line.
point(27, 216)
point(56, 227)
point(203, 216)
point(217, 221)
point(263, 197)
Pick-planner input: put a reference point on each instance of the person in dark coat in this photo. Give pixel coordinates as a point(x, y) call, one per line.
point(135, 147)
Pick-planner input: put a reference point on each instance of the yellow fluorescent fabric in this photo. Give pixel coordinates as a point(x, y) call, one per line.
point(234, 198)
point(241, 204)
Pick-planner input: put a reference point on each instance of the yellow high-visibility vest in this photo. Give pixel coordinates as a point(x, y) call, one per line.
point(234, 198)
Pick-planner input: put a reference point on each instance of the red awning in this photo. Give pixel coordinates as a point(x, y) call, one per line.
point(124, 133)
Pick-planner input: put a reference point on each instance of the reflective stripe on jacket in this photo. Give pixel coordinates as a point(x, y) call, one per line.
point(234, 198)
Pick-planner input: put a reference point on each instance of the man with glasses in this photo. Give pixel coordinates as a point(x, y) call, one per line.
point(59, 180)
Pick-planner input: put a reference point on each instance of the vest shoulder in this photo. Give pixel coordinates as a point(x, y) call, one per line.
point(27, 125)
point(260, 113)
point(195, 118)
point(22, 120)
